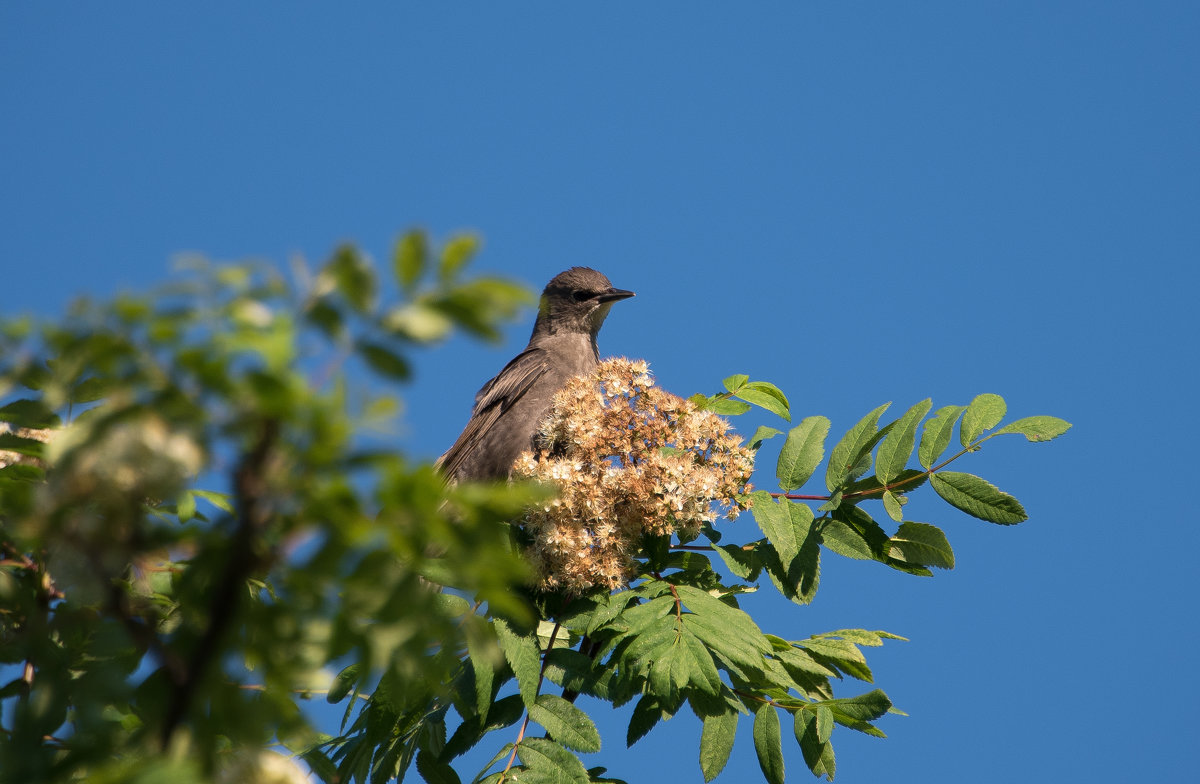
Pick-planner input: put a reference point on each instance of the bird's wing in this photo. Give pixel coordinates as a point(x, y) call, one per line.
point(492, 400)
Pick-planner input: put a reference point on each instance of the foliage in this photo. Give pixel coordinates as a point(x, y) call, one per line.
point(200, 532)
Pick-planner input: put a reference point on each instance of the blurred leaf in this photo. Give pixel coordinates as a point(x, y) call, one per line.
point(418, 322)
point(384, 360)
point(352, 276)
point(410, 256)
point(29, 413)
point(455, 254)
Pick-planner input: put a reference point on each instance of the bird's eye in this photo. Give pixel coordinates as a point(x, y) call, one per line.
point(580, 296)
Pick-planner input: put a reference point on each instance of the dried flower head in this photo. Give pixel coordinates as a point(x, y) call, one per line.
point(629, 459)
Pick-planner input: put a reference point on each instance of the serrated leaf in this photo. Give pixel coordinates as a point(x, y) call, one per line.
point(645, 715)
point(818, 753)
point(735, 382)
point(984, 413)
point(434, 772)
point(480, 658)
point(802, 452)
point(716, 742)
point(897, 445)
point(409, 258)
point(1037, 428)
point(522, 655)
point(762, 434)
point(768, 744)
point(700, 668)
point(848, 453)
point(765, 395)
point(891, 505)
point(854, 712)
point(851, 532)
point(939, 429)
point(978, 497)
point(566, 723)
point(922, 544)
point(543, 755)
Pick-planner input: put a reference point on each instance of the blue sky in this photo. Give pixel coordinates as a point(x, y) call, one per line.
point(859, 202)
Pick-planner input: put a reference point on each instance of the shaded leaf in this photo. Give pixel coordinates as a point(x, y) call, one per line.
point(922, 544)
point(542, 755)
point(409, 257)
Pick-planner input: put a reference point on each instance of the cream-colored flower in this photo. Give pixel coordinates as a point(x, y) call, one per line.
point(629, 459)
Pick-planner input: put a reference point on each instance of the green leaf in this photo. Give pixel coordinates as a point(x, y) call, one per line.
point(343, 684)
point(978, 497)
point(645, 715)
point(849, 536)
point(845, 458)
point(29, 413)
point(455, 255)
point(768, 744)
point(762, 434)
point(434, 772)
point(384, 360)
point(186, 508)
point(544, 756)
point(352, 276)
point(734, 383)
point(480, 657)
point(418, 322)
point(984, 413)
point(409, 258)
point(939, 429)
point(1037, 428)
point(222, 501)
point(802, 452)
point(701, 670)
point(922, 544)
point(566, 723)
point(844, 655)
point(522, 655)
point(897, 445)
point(724, 406)
point(891, 505)
point(765, 395)
point(716, 742)
point(857, 712)
point(818, 753)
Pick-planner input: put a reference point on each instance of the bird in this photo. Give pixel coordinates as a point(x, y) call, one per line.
point(509, 408)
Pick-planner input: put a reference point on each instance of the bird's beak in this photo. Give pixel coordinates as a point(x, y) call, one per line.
point(612, 295)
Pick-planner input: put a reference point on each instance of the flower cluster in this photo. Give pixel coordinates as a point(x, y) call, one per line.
point(629, 460)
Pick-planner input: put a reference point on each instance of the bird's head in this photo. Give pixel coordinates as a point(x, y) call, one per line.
point(577, 300)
